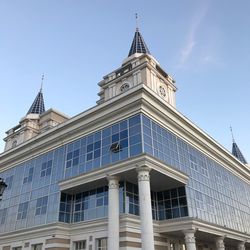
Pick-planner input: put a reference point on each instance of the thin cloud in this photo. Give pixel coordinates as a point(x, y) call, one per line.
point(210, 52)
point(191, 40)
point(212, 59)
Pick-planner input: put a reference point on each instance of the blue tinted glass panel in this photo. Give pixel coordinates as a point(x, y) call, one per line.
point(211, 189)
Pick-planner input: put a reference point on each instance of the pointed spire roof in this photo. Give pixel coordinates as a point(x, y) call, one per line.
point(237, 153)
point(38, 106)
point(236, 150)
point(138, 45)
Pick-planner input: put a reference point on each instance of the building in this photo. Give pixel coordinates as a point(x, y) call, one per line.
point(130, 173)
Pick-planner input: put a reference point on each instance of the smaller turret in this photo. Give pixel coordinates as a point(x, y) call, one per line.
point(36, 121)
point(37, 106)
point(236, 151)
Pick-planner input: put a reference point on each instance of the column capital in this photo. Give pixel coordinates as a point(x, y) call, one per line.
point(189, 235)
point(241, 245)
point(143, 173)
point(113, 181)
point(189, 231)
point(219, 242)
point(220, 238)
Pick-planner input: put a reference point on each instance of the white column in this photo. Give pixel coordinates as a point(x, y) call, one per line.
point(147, 233)
point(219, 243)
point(241, 246)
point(190, 239)
point(113, 213)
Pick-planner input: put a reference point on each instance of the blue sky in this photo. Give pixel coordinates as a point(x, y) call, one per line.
point(203, 44)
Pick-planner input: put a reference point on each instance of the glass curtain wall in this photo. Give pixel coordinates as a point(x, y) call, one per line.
point(214, 194)
point(93, 204)
point(33, 197)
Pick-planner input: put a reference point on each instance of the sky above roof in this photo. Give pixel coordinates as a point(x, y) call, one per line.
point(204, 45)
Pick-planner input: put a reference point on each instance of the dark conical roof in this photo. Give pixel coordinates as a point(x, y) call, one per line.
point(237, 153)
point(37, 106)
point(138, 45)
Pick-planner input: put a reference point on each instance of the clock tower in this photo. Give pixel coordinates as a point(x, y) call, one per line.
point(140, 67)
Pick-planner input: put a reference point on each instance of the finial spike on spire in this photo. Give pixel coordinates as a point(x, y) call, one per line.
point(136, 20)
point(42, 83)
point(232, 133)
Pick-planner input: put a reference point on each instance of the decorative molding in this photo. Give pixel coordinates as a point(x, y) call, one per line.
point(143, 173)
point(113, 182)
point(130, 244)
point(219, 242)
point(241, 246)
point(26, 244)
point(57, 248)
point(6, 247)
point(57, 240)
point(189, 236)
point(130, 234)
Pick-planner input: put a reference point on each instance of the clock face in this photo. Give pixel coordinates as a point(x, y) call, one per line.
point(124, 87)
point(162, 91)
point(14, 143)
